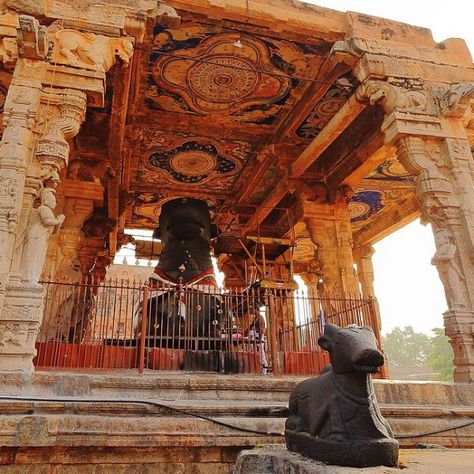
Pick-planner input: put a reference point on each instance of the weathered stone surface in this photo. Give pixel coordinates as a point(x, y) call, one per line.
point(277, 460)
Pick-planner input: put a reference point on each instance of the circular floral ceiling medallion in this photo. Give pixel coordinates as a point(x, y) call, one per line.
point(222, 78)
point(193, 163)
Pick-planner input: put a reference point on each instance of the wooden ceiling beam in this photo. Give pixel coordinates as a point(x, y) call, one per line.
point(343, 118)
point(346, 115)
point(331, 69)
point(121, 87)
point(267, 206)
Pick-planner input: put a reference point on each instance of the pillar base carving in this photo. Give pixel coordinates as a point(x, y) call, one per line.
point(460, 329)
point(20, 320)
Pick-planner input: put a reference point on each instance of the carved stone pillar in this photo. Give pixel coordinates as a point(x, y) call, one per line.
point(446, 195)
point(329, 229)
point(424, 123)
point(311, 280)
point(365, 270)
point(18, 313)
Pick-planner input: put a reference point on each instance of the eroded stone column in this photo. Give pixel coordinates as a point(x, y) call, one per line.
point(365, 270)
point(311, 280)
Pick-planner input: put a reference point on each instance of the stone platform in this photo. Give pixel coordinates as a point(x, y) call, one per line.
point(97, 420)
point(277, 460)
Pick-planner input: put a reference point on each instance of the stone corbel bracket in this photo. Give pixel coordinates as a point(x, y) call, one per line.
point(453, 100)
point(410, 107)
point(31, 38)
point(52, 150)
point(89, 51)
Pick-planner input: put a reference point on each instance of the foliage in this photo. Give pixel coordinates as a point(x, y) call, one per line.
point(440, 356)
point(406, 348)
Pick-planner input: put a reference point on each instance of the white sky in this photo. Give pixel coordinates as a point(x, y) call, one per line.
point(406, 284)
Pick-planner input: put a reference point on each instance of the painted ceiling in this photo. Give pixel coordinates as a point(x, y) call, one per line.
point(207, 100)
point(388, 184)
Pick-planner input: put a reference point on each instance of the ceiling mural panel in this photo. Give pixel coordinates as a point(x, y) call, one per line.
point(265, 185)
point(204, 71)
point(387, 185)
point(190, 162)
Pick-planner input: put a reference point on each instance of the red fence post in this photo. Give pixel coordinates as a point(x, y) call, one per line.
point(272, 321)
point(141, 363)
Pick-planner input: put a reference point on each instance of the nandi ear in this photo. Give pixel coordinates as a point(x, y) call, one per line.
point(325, 339)
point(330, 329)
point(324, 342)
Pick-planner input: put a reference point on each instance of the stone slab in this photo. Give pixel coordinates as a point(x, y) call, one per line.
point(277, 460)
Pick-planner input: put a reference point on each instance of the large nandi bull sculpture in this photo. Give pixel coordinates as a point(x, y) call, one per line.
point(183, 304)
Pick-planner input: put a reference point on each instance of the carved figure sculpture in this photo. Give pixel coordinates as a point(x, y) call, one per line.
point(14, 334)
point(41, 224)
point(449, 272)
point(85, 50)
point(334, 418)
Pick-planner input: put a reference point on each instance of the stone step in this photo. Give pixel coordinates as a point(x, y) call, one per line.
point(183, 423)
point(207, 386)
point(254, 403)
point(180, 408)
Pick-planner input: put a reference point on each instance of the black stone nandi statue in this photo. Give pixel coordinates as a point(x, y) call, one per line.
point(182, 301)
point(334, 418)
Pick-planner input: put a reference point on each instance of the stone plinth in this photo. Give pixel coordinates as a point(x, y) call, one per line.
point(277, 460)
point(20, 320)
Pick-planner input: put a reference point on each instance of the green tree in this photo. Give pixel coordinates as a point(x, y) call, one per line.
point(406, 348)
point(440, 356)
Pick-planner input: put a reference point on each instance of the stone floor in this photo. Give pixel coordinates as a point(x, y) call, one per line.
point(277, 460)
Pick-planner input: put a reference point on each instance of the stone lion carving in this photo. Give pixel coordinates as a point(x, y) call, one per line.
point(91, 51)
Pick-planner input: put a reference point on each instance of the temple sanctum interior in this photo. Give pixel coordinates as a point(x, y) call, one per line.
point(265, 141)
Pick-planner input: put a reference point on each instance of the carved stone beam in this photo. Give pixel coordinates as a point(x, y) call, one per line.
point(112, 17)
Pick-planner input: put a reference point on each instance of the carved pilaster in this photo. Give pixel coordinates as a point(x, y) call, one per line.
point(329, 229)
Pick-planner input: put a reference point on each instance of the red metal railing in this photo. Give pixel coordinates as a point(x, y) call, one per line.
point(121, 324)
